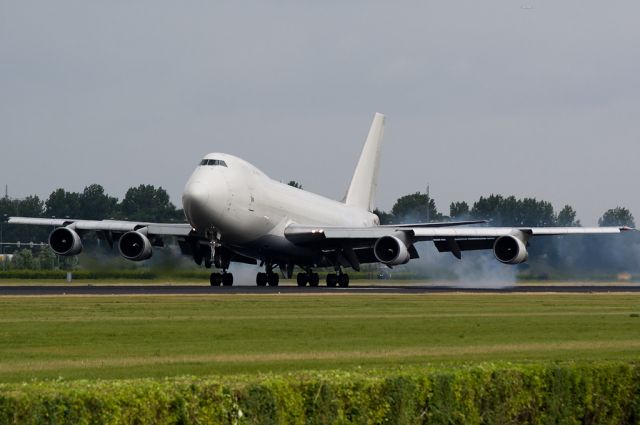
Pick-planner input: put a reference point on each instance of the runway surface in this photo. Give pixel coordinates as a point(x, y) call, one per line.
point(288, 289)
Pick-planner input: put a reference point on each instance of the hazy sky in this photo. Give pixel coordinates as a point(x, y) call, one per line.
point(531, 98)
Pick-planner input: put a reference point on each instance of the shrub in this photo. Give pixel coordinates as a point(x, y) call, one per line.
point(486, 393)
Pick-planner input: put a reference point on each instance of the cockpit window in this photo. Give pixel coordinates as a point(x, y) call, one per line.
point(213, 162)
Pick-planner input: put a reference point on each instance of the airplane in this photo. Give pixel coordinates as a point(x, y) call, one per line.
point(236, 213)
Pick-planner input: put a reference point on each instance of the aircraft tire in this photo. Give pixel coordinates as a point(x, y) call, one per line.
point(343, 280)
point(215, 279)
point(332, 280)
point(227, 279)
point(273, 279)
point(261, 279)
point(302, 279)
point(314, 279)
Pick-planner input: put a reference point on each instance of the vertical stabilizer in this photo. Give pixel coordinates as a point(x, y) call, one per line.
point(365, 179)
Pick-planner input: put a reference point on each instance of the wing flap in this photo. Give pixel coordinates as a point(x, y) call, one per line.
point(444, 245)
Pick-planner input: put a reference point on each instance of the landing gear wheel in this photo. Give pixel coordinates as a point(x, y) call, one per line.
point(302, 279)
point(261, 279)
point(343, 280)
point(215, 279)
point(227, 279)
point(332, 280)
point(314, 279)
point(273, 279)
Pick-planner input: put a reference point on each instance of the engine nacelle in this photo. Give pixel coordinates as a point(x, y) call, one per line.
point(135, 246)
point(65, 241)
point(391, 250)
point(510, 250)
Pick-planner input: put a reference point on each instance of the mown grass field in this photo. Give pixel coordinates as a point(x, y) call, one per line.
point(158, 336)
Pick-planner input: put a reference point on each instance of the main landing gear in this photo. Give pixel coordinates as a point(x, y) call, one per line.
point(313, 279)
point(269, 278)
point(264, 279)
point(224, 278)
point(337, 279)
point(333, 279)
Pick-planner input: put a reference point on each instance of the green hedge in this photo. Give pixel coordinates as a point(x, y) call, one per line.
point(133, 274)
point(592, 394)
point(78, 274)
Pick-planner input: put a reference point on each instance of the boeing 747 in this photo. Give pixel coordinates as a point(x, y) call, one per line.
point(236, 213)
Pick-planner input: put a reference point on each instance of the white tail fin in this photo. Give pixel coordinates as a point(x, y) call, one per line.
point(365, 179)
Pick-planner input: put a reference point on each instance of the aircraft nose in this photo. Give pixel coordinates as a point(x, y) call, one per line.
point(195, 196)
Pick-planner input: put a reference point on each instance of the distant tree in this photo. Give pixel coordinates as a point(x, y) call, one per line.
point(510, 211)
point(68, 263)
point(46, 259)
point(618, 216)
point(459, 210)
point(531, 212)
point(413, 208)
point(295, 184)
point(63, 204)
point(24, 260)
point(488, 208)
point(385, 217)
point(567, 217)
point(146, 203)
point(95, 205)
point(31, 206)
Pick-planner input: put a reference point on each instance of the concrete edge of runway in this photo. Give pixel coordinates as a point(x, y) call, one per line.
point(42, 290)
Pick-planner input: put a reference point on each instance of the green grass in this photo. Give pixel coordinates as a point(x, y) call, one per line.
point(157, 336)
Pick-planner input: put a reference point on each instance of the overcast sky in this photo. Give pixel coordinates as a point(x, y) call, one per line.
point(531, 98)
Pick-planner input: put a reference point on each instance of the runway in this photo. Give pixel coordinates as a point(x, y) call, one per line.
point(44, 290)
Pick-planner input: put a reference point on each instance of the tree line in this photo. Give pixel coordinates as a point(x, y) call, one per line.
point(148, 203)
point(141, 203)
point(574, 255)
point(498, 210)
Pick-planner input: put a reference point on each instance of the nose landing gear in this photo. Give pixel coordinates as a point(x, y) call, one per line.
point(220, 258)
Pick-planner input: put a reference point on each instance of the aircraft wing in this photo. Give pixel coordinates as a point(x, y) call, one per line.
point(140, 244)
point(116, 226)
point(357, 244)
point(305, 235)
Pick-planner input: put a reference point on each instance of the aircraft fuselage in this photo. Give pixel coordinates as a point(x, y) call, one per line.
point(232, 201)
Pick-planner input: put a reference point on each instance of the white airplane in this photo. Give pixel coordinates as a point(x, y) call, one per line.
point(236, 213)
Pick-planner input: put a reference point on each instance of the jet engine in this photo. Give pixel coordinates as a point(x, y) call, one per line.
point(135, 246)
point(510, 250)
point(391, 250)
point(65, 241)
